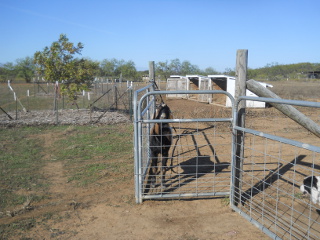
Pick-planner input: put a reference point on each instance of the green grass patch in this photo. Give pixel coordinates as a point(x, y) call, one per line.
point(20, 160)
point(91, 173)
point(90, 153)
point(88, 143)
point(87, 152)
point(88, 174)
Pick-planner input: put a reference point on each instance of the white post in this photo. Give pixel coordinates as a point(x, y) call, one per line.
point(28, 95)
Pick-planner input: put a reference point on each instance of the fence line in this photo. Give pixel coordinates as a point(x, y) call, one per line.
point(103, 97)
point(273, 165)
point(273, 170)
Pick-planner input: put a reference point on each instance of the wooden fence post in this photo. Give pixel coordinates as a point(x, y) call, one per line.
point(241, 78)
point(56, 89)
point(115, 99)
point(152, 74)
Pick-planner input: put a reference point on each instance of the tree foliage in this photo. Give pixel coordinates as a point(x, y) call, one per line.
point(116, 68)
point(209, 71)
point(275, 71)
point(8, 72)
point(176, 67)
point(163, 69)
point(25, 68)
point(58, 63)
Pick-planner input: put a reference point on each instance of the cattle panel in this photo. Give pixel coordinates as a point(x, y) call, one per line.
point(278, 155)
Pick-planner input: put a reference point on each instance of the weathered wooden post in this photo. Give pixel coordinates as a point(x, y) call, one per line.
point(159, 82)
point(152, 74)
point(34, 87)
point(241, 74)
point(56, 87)
point(115, 97)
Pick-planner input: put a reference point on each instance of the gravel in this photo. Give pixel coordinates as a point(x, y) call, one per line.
point(65, 117)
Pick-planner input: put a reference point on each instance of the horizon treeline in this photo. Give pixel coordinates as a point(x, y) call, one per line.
point(23, 69)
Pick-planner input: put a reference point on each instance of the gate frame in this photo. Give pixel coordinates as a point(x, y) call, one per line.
point(236, 193)
point(136, 139)
point(138, 120)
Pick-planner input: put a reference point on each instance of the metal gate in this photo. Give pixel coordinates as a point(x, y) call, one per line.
point(273, 167)
point(199, 163)
point(263, 183)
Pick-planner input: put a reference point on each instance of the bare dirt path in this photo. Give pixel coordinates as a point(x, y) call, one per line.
point(110, 213)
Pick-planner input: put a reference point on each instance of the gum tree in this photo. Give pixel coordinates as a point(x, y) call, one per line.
point(58, 63)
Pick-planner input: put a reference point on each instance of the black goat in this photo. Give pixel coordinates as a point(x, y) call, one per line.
point(160, 143)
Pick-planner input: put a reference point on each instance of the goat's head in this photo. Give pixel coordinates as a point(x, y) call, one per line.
point(163, 112)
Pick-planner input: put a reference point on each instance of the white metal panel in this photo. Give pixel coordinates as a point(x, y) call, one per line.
point(231, 88)
point(177, 83)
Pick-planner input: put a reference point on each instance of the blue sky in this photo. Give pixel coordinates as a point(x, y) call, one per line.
point(206, 33)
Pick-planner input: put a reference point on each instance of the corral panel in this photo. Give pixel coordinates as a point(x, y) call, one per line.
point(272, 171)
point(198, 164)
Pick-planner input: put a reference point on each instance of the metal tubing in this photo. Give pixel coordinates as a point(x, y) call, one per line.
point(184, 92)
point(187, 120)
point(281, 139)
point(185, 195)
point(279, 100)
point(143, 116)
point(137, 142)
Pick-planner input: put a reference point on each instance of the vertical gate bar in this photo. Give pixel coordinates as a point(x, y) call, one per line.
point(138, 134)
point(136, 154)
point(233, 156)
point(140, 180)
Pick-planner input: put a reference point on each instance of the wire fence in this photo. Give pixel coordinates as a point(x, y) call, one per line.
point(22, 101)
point(278, 155)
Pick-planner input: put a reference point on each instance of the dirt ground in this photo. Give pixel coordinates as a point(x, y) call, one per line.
point(109, 213)
point(107, 210)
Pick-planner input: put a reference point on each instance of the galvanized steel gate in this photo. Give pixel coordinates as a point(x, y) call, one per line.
point(271, 172)
point(200, 156)
point(263, 188)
